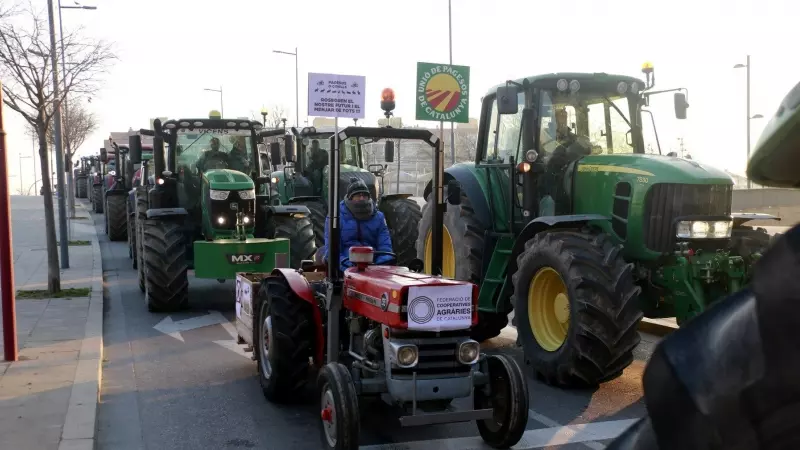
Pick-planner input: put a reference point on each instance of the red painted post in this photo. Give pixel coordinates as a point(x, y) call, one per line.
point(7, 292)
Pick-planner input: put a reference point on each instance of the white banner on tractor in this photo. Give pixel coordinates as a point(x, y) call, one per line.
point(439, 308)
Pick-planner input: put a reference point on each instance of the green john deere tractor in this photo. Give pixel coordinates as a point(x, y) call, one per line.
point(305, 182)
point(565, 221)
point(205, 211)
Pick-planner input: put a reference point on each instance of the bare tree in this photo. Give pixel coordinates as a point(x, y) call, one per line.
point(466, 144)
point(276, 114)
point(25, 67)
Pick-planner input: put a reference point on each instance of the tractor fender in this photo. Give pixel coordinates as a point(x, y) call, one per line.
point(395, 196)
point(305, 198)
point(159, 213)
point(544, 223)
point(288, 210)
point(740, 219)
point(299, 285)
point(470, 187)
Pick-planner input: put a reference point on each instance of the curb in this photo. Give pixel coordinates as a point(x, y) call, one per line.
point(80, 426)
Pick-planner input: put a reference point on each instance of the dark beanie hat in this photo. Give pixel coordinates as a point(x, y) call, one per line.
point(356, 186)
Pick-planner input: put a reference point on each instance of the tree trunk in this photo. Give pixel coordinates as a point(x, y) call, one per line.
point(53, 272)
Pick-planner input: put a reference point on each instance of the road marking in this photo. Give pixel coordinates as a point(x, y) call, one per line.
point(543, 437)
point(173, 328)
point(231, 344)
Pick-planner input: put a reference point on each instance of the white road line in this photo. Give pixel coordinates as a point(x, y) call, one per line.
point(532, 439)
point(541, 418)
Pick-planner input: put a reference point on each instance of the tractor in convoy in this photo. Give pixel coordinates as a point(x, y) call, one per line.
point(565, 221)
point(203, 212)
point(96, 177)
point(142, 180)
point(379, 331)
point(115, 192)
point(81, 176)
point(305, 181)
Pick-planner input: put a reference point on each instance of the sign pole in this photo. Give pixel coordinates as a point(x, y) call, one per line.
point(450, 30)
point(7, 290)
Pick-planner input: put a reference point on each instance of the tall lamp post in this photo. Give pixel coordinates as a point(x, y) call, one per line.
point(221, 109)
point(750, 117)
point(296, 85)
point(264, 114)
point(66, 110)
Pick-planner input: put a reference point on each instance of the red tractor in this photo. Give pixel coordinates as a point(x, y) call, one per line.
point(382, 331)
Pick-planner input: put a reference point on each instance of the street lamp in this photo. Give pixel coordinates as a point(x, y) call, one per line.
point(66, 105)
point(746, 66)
point(221, 110)
point(264, 113)
point(296, 85)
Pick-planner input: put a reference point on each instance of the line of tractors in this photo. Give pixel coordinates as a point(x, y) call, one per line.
point(563, 220)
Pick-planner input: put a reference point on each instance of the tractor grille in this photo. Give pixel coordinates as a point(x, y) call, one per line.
point(228, 209)
point(667, 201)
point(436, 359)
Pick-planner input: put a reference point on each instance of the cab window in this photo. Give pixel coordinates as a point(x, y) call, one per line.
point(504, 134)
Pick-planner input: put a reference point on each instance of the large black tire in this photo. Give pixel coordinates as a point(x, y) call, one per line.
point(749, 243)
point(403, 216)
point(508, 397)
point(117, 217)
point(97, 199)
point(165, 266)
point(602, 300)
point(318, 216)
point(141, 216)
point(466, 233)
point(337, 392)
point(300, 233)
point(80, 187)
point(283, 367)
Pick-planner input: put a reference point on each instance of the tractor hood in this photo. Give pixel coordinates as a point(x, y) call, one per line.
point(657, 168)
point(228, 180)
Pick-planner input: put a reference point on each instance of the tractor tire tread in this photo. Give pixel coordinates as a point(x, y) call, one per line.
point(318, 217)
point(403, 216)
point(97, 199)
point(117, 217)
point(300, 233)
point(165, 265)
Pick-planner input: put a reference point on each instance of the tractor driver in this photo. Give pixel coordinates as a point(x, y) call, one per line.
point(361, 224)
point(317, 160)
point(214, 154)
point(238, 158)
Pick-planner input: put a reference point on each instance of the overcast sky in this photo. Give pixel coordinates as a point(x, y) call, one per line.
point(170, 50)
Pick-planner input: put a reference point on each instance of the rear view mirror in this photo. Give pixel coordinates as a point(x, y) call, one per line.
point(388, 151)
point(680, 105)
point(289, 146)
point(275, 153)
point(454, 192)
point(507, 100)
point(103, 155)
point(135, 146)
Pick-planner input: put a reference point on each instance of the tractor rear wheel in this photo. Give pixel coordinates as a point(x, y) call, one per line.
point(462, 257)
point(80, 187)
point(508, 397)
point(318, 216)
point(340, 418)
point(576, 307)
point(97, 199)
point(403, 216)
point(116, 217)
point(141, 216)
point(165, 267)
point(285, 341)
point(300, 233)
point(747, 242)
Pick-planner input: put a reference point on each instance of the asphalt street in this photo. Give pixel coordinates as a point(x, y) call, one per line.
point(198, 390)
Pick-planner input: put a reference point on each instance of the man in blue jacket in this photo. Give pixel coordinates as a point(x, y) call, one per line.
point(361, 224)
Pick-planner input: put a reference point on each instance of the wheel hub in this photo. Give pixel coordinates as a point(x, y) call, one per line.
point(328, 415)
point(561, 308)
point(266, 367)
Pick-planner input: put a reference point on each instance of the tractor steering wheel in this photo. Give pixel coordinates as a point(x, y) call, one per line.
point(374, 254)
point(216, 161)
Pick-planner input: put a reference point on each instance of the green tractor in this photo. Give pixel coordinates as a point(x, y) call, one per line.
point(305, 182)
point(567, 222)
point(81, 176)
point(205, 211)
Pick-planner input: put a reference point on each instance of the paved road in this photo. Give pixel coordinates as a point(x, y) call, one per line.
point(163, 393)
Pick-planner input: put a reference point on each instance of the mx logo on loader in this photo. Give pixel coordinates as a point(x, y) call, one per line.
point(245, 258)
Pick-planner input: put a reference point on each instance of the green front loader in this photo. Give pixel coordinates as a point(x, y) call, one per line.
point(565, 221)
point(209, 211)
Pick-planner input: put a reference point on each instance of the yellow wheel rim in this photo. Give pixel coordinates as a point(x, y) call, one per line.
point(448, 254)
point(548, 309)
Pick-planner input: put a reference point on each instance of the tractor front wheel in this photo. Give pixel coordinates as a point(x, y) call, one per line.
point(507, 395)
point(285, 341)
point(165, 267)
point(97, 199)
point(403, 216)
point(749, 243)
point(300, 233)
point(116, 217)
point(80, 188)
point(318, 216)
point(338, 406)
point(141, 215)
point(576, 307)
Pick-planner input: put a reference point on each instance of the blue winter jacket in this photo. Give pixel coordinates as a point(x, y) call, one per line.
point(372, 232)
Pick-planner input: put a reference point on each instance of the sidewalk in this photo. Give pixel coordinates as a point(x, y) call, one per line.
point(48, 399)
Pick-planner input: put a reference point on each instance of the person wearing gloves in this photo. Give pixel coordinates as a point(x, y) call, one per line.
point(361, 224)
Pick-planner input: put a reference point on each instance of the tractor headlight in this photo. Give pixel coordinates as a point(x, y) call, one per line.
point(274, 180)
point(219, 195)
point(702, 229)
point(407, 356)
point(221, 220)
point(468, 352)
point(248, 195)
point(112, 172)
point(245, 220)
